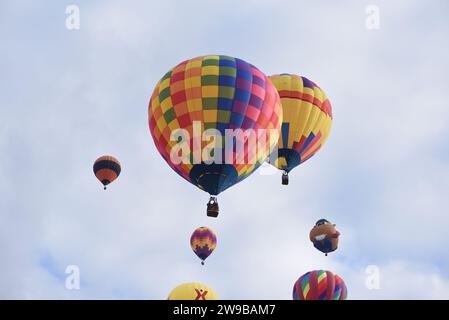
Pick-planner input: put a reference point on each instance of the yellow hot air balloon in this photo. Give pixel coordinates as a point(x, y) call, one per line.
point(193, 291)
point(306, 122)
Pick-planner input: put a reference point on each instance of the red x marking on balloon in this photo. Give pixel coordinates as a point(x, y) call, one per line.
point(200, 296)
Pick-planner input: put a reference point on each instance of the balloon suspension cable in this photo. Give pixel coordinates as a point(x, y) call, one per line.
point(212, 207)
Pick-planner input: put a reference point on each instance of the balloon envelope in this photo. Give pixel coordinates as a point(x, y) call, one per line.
point(203, 242)
point(324, 236)
point(212, 92)
point(320, 285)
point(193, 291)
point(107, 169)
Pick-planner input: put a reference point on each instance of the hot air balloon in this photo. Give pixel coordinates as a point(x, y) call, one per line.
point(307, 119)
point(204, 99)
point(324, 236)
point(193, 291)
point(107, 169)
point(320, 285)
point(203, 242)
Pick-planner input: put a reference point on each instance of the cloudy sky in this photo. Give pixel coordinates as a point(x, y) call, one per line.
point(69, 96)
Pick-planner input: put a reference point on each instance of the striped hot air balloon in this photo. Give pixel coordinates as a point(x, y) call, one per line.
point(213, 92)
point(107, 169)
point(307, 120)
point(203, 242)
point(320, 285)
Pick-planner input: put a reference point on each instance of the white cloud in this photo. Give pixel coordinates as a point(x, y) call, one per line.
point(74, 95)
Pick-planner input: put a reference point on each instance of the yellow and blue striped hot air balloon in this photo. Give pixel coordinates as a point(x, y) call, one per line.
point(220, 93)
point(307, 120)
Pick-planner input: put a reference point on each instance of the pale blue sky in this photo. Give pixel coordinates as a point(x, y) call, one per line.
point(69, 96)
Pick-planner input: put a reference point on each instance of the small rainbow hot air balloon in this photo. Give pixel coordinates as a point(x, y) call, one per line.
point(203, 242)
point(107, 169)
point(193, 291)
point(320, 285)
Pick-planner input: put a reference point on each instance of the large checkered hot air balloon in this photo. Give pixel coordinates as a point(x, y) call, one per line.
point(307, 120)
point(203, 108)
point(320, 285)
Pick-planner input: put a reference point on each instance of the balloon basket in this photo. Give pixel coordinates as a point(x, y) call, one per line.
point(285, 178)
point(212, 207)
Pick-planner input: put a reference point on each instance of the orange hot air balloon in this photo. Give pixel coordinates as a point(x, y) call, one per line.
point(107, 169)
